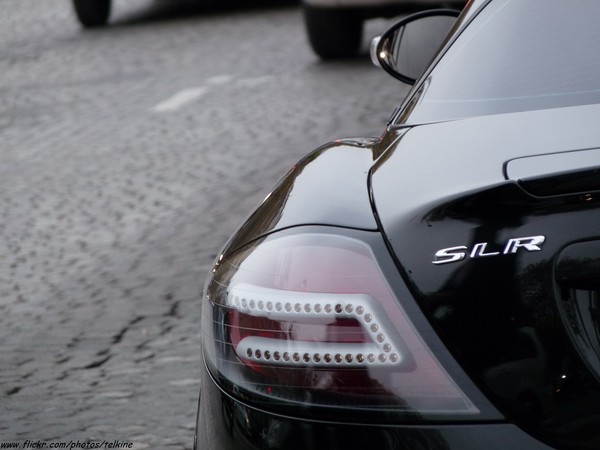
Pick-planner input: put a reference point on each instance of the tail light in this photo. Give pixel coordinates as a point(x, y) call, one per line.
point(308, 319)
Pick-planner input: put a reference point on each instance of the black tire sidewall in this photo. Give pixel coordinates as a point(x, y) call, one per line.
point(92, 13)
point(333, 33)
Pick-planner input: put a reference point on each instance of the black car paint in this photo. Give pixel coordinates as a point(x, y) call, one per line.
point(482, 306)
point(305, 196)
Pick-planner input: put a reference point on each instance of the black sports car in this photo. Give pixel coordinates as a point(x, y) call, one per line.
point(437, 287)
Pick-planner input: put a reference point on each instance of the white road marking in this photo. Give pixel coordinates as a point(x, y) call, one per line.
point(219, 79)
point(185, 382)
point(186, 96)
point(256, 81)
point(180, 99)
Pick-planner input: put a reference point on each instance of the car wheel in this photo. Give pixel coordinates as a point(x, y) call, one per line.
point(92, 13)
point(333, 33)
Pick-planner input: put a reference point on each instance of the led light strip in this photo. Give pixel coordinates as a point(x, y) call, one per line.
point(291, 305)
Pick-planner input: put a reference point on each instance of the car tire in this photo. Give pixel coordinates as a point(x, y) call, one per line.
point(92, 13)
point(333, 33)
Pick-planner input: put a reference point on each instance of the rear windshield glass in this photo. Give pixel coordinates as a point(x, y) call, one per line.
point(516, 55)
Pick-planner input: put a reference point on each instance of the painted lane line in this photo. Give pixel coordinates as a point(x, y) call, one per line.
point(252, 82)
point(180, 99)
point(219, 80)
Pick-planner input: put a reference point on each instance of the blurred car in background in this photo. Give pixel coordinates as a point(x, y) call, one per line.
point(335, 27)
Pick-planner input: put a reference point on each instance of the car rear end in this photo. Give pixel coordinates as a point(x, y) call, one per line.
point(438, 289)
point(313, 339)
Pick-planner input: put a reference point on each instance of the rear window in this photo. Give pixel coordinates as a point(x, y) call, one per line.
point(516, 55)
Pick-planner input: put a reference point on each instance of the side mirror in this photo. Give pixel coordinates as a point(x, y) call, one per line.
point(407, 48)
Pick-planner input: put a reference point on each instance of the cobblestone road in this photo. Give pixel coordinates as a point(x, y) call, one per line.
point(128, 155)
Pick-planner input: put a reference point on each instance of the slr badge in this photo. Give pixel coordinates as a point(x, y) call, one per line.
point(480, 250)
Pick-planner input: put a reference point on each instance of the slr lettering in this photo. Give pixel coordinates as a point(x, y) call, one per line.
point(480, 250)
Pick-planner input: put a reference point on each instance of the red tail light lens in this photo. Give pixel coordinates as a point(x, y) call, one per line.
point(309, 318)
point(310, 329)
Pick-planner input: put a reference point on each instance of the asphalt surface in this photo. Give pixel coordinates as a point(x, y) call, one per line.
point(128, 155)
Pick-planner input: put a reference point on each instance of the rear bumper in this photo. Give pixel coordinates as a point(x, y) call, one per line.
point(226, 424)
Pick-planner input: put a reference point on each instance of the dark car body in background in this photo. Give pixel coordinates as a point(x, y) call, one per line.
point(436, 287)
point(335, 27)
